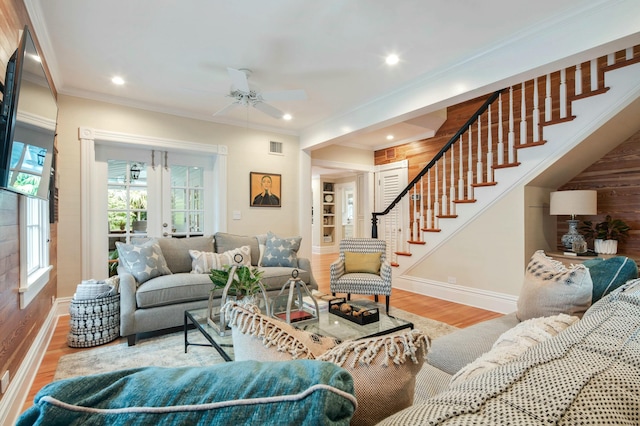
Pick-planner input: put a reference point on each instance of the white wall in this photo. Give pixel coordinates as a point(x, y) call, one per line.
point(247, 151)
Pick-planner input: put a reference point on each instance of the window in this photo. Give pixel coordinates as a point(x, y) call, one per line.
point(34, 248)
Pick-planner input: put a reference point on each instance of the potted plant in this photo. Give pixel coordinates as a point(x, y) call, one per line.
point(606, 234)
point(245, 280)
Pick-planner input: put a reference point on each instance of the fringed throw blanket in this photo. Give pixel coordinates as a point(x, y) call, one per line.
point(587, 374)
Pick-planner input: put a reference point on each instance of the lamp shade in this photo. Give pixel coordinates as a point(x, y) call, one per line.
point(574, 202)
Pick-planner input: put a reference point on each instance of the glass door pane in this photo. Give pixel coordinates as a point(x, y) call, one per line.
point(187, 200)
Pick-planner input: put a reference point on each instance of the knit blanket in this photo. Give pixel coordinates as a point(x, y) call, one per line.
point(587, 374)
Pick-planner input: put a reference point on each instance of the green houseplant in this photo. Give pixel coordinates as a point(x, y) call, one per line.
point(245, 280)
point(606, 234)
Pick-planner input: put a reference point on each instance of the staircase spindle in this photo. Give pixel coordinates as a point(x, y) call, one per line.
point(563, 93)
point(414, 224)
point(452, 188)
point(594, 75)
point(548, 112)
point(445, 197)
point(578, 79)
point(436, 203)
point(536, 112)
point(500, 133)
point(489, 147)
point(470, 166)
point(421, 225)
point(629, 53)
point(429, 209)
point(460, 172)
point(511, 138)
point(611, 58)
point(479, 163)
point(523, 117)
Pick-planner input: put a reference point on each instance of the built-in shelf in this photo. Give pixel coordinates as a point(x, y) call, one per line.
point(328, 213)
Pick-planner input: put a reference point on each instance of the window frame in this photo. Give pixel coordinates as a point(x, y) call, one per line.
point(34, 230)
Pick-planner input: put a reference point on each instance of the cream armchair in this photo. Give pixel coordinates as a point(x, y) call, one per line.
point(362, 268)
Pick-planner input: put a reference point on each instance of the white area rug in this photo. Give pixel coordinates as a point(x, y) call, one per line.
point(168, 350)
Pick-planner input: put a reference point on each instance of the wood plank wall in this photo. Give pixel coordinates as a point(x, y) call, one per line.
point(18, 327)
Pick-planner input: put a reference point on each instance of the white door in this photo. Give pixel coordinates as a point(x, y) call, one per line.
point(392, 227)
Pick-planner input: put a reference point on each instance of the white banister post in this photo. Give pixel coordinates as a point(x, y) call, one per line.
point(578, 79)
point(536, 112)
point(629, 53)
point(460, 172)
point(445, 200)
point(594, 75)
point(470, 166)
point(421, 204)
point(436, 203)
point(429, 210)
point(511, 140)
point(611, 59)
point(414, 223)
point(548, 112)
point(523, 117)
point(489, 147)
point(500, 133)
point(479, 163)
point(563, 93)
point(452, 188)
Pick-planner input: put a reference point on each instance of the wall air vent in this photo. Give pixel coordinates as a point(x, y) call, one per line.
point(276, 148)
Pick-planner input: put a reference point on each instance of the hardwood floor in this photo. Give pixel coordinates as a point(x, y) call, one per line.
point(449, 312)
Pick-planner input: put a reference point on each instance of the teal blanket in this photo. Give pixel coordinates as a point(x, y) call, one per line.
point(301, 392)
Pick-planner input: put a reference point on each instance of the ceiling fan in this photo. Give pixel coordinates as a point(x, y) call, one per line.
point(244, 95)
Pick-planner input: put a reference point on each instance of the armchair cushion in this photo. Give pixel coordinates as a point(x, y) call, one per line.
point(362, 262)
point(143, 261)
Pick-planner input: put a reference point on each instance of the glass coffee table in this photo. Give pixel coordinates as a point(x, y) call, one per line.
point(327, 325)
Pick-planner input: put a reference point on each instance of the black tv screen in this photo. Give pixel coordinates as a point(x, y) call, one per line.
point(28, 123)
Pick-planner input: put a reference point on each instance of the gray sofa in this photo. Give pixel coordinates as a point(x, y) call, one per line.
point(160, 302)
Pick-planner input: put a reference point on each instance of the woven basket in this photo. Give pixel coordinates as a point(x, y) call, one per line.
point(94, 322)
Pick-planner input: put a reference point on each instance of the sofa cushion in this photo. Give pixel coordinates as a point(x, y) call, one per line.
point(203, 262)
point(173, 289)
point(260, 393)
point(143, 261)
point(226, 242)
point(550, 288)
point(609, 274)
point(176, 251)
point(281, 251)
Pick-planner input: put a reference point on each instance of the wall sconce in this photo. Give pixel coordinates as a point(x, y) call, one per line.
point(135, 172)
point(573, 203)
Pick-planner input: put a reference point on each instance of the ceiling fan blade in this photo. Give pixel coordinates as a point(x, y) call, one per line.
point(269, 110)
point(285, 95)
point(239, 79)
point(226, 109)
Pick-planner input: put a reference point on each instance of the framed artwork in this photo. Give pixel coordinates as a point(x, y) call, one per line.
point(265, 189)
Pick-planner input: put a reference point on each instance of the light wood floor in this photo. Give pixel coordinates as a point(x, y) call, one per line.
point(449, 312)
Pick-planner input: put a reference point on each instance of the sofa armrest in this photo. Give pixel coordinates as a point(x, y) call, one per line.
point(128, 287)
point(304, 263)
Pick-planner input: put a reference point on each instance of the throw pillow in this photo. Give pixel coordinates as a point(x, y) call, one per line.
point(550, 288)
point(513, 343)
point(143, 261)
point(362, 262)
point(281, 251)
point(203, 262)
point(609, 274)
point(262, 244)
point(384, 372)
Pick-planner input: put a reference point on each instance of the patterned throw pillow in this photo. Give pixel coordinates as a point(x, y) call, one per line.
point(550, 288)
point(143, 261)
point(362, 262)
point(203, 262)
point(281, 251)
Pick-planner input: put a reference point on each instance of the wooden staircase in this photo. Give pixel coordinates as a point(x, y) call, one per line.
point(515, 134)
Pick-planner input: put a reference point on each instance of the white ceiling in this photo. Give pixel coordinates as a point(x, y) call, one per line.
point(174, 55)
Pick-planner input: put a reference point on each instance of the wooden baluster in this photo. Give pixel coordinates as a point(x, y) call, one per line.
point(460, 172)
point(578, 79)
point(536, 112)
point(548, 111)
point(563, 93)
point(436, 204)
point(445, 199)
point(500, 133)
point(479, 163)
point(452, 189)
point(429, 210)
point(470, 166)
point(523, 118)
point(511, 141)
point(594, 75)
point(489, 147)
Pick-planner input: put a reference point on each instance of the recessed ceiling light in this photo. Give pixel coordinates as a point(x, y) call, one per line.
point(287, 117)
point(117, 80)
point(392, 59)
point(389, 137)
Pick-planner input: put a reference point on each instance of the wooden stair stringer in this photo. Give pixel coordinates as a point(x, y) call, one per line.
point(592, 113)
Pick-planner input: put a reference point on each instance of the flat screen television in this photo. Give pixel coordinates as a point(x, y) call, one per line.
point(27, 123)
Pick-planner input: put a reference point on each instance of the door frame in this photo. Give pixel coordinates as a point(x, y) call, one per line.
point(89, 138)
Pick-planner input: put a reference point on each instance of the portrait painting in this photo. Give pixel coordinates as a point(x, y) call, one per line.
point(265, 189)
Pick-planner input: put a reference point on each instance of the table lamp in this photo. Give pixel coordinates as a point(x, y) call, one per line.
point(573, 203)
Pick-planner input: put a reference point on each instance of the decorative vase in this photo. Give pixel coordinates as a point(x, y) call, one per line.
point(605, 246)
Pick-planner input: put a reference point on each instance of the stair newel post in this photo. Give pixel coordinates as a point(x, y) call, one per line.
point(548, 111)
point(511, 138)
point(523, 116)
point(578, 80)
point(460, 172)
point(479, 164)
point(470, 166)
point(429, 210)
point(489, 147)
point(563, 93)
point(594, 75)
point(445, 201)
point(500, 133)
point(436, 203)
point(452, 188)
point(374, 225)
point(536, 112)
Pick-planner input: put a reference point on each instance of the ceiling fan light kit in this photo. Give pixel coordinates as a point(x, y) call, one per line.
point(243, 95)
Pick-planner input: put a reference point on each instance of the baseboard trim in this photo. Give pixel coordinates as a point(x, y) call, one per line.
point(19, 386)
point(483, 299)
